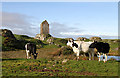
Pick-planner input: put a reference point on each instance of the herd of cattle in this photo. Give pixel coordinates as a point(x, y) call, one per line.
point(78, 47)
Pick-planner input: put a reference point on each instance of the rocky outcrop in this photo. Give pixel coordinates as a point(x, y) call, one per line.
point(9, 42)
point(42, 36)
point(96, 39)
point(50, 40)
point(7, 33)
point(81, 38)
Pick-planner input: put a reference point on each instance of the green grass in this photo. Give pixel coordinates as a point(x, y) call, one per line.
point(114, 44)
point(47, 67)
point(23, 39)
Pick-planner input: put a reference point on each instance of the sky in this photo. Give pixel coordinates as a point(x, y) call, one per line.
point(66, 19)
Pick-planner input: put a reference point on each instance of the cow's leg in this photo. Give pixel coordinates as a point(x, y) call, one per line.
point(78, 56)
point(84, 54)
point(27, 52)
point(99, 56)
point(29, 55)
point(92, 55)
point(104, 57)
point(89, 56)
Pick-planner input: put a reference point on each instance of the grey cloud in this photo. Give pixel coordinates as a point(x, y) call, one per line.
point(19, 23)
point(56, 28)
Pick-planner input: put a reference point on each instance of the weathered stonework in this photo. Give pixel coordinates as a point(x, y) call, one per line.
point(44, 31)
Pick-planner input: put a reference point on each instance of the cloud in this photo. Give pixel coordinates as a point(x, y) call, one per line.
point(64, 31)
point(19, 23)
point(28, 25)
point(56, 29)
point(75, 35)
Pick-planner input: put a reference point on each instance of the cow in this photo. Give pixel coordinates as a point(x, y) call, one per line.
point(31, 49)
point(81, 46)
point(101, 48)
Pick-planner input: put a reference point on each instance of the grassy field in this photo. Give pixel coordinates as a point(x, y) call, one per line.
point(14, 63)
point(48, 67)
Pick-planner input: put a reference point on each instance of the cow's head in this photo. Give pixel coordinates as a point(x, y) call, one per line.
point(70, 42)
point(93, 45)
point(35, 55)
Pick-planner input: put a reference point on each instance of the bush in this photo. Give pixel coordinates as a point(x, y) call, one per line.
point(60, 41)
point(21, 37)
point(64, 41)
point(67, 50)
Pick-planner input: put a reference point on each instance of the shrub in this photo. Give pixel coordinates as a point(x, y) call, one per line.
point(60, 41)
point(63, 41)
point(67, 50)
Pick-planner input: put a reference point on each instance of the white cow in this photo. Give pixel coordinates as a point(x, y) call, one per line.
point(81, 46)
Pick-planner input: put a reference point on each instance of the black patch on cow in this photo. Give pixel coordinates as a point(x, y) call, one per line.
point(101, 47)
point(103, 57)
point(74, 45)
point(32, 48)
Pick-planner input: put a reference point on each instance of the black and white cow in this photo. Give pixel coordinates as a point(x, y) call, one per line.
point(101, 48)
point(31, 49)
point(81, 46)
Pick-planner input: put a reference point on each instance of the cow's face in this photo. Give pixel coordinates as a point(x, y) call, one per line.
point(35, 55)
point(70, 42)
point(93, 45)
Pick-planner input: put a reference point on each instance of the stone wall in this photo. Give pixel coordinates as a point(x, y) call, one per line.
point(44, 29)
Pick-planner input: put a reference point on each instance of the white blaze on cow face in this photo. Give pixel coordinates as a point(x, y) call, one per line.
point(69, 43)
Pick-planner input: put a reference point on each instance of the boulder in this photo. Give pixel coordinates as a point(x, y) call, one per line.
point(81, 38)
point(50, 40)
point(42, 36)
point(96, 39)
point(7, 33)
point(9, 42)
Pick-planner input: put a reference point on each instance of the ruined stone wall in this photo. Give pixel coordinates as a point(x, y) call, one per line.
point(44, 29)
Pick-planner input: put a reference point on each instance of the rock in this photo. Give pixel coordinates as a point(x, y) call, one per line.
point(96, 39)
point(81, 38)
point(64, 61)
point(7, 33)
point(9, 42)
point(42, 36)
point(37, 36)
point(58, 45)
point(50, 40)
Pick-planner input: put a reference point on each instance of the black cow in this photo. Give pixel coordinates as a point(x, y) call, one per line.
point(101, 48)
point(31, 49)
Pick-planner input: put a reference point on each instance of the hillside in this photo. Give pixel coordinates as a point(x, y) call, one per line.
point(53, 59)
point(12, 42)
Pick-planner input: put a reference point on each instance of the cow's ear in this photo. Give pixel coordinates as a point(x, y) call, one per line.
point(95, 41)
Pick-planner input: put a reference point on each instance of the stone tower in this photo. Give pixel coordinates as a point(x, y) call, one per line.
point(44, 29)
